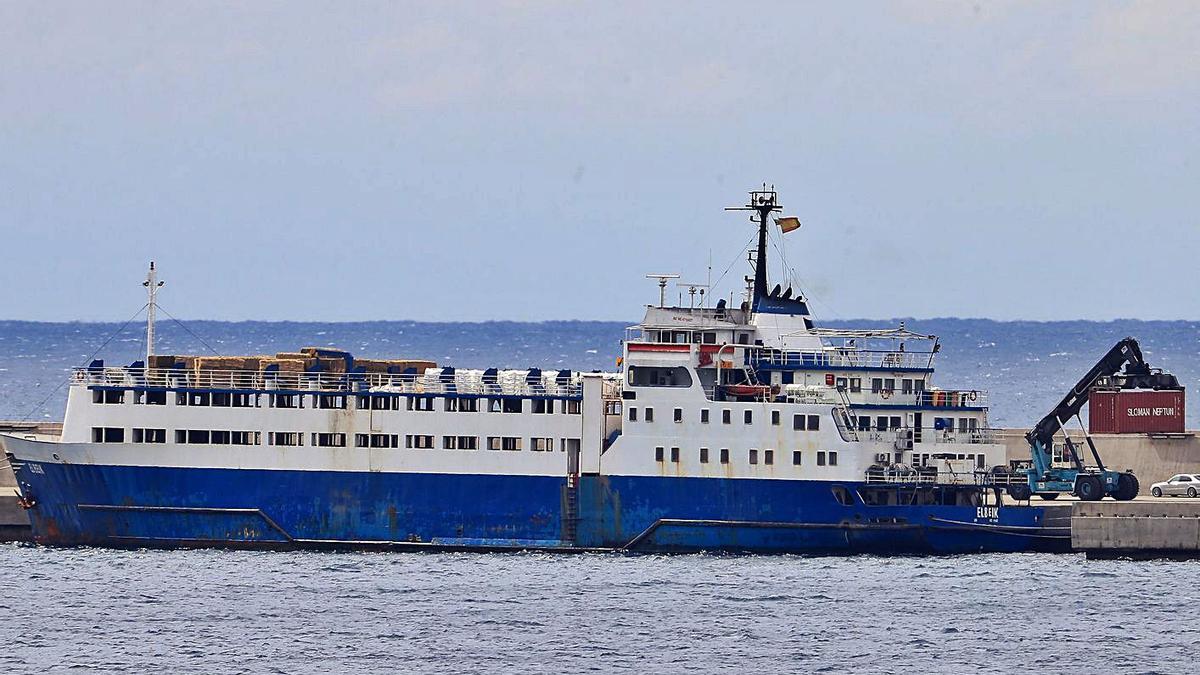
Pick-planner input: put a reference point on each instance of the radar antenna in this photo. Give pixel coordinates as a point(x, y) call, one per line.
point(662, 286)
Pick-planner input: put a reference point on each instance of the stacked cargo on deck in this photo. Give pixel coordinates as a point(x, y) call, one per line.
point(231, 370)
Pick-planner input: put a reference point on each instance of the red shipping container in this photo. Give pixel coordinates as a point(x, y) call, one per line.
point(1136, 411)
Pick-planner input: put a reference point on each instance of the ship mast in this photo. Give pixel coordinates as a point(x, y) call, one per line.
point(764, 202)
point(152, 285)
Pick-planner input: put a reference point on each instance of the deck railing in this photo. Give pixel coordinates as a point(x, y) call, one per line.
point(841, 358)
point(939, 398)
point(471, 382)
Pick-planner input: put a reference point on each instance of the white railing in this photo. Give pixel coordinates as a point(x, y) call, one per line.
point(934, 398)
point(432, 381)
point(943, 476)
point(843, 358)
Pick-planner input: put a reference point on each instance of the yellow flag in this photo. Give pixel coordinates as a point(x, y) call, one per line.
point(787, 224)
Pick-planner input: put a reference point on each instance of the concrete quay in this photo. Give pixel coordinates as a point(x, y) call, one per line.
point(1143, 528)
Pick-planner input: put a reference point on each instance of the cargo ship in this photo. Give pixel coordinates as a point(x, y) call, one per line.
point(742, 428)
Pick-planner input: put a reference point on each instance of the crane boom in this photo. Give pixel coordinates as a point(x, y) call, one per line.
point(1095, 482)
point(1127, 353)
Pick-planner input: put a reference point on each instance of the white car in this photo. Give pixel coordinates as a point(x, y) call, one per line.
point(1184, 484)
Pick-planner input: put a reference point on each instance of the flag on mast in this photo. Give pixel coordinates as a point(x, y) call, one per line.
point(788, 223)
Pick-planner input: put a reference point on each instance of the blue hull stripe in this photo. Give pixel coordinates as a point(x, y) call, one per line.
point(162, 506)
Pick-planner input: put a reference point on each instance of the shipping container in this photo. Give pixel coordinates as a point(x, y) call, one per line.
point(1136, 411)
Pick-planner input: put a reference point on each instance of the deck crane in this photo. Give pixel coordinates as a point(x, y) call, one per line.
point(1089, 483)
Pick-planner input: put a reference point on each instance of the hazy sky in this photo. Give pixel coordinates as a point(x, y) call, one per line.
point(531, 160)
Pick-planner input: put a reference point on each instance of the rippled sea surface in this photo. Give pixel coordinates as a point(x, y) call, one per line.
point(242, 612)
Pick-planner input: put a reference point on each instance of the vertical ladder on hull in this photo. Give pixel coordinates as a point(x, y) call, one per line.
point(570, 516)
point(570, 500)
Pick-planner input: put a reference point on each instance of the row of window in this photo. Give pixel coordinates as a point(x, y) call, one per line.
point(824, 458)
point(799, 422)
point(182, 436)
point(338, 401)
point(328, 440)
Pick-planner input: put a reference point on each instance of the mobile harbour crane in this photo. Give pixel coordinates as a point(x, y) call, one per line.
point(1089, 483)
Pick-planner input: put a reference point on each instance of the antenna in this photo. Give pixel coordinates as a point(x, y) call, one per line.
point(764, 202)
point(152, 285)
point(662, 286)
point(692, 289)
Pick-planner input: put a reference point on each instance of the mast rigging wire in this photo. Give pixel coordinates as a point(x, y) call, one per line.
point(86, 361)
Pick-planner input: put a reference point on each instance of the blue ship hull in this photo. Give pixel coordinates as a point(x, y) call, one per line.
point(126, 506)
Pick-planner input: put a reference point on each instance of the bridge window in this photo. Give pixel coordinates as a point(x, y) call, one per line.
point(504, 443)
point(203, 436)
point(459, 442)
point(385, 403)
point(149, 435)
point(329, 440)
point(290, 438)
point(377, 440)
point(245, 437)
point(704, 455)
point(108, 396)
point(418, 441)
point(329, 402)
point(241, 400)
point(277, 401)
point(420, 403)
point(454, 404)
point(659, 376)
point(108, 435)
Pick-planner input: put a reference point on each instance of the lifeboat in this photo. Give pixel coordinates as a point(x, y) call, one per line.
point(747, 390)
